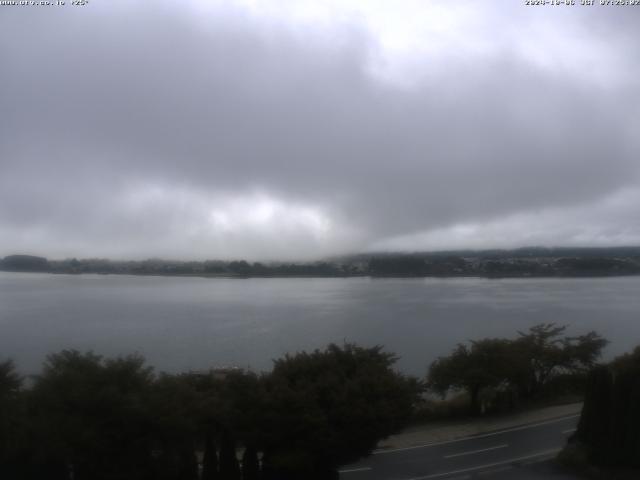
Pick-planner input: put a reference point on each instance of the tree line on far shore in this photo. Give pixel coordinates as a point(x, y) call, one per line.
point(89, 417)
point(493, 263)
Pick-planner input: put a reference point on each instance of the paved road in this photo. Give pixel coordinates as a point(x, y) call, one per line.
point(515, 453)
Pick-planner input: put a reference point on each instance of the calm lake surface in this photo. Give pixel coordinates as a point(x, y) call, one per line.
point(196, 323)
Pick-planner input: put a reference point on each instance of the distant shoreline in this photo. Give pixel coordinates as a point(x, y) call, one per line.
point(247, 277)
point(520, 263)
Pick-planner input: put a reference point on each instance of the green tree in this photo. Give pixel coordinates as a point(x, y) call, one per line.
point(89, 416)
point(544, 352)
point(525, 365)
point(229, 407)
point(483, 364)
point(239, 267)
point(609, 427)
point(176, 407)
point(12, 419)
point(330, 407)
point(10, 381)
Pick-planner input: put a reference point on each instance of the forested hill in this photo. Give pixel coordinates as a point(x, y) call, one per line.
point(524, 262)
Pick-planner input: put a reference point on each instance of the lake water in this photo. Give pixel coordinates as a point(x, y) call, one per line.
point(196, 323)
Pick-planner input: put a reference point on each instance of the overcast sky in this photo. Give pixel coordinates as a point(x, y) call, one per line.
point(297, 129)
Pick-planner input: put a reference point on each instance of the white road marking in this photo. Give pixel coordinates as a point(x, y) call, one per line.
point(571, 430)
point(476, 451)
point(351, 470)
point(488, 465)
point(473, 437)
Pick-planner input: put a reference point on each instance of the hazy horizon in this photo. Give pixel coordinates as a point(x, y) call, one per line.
point(346, 255)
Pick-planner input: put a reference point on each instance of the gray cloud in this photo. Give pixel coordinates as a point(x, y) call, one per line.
point(159, 129)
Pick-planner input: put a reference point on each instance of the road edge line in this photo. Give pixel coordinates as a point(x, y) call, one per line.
point(480, 435)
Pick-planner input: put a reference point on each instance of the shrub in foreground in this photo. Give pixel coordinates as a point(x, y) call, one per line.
point(90, 418)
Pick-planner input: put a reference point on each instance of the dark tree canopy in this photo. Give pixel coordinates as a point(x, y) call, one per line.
point(11, 416)
point(522, 366)
point(24, 263)
point(10, 381)
point(96, 418)
point(545, 352)
point(484, 363)
point(84, 405)
point(609, 427)
point(333, 406)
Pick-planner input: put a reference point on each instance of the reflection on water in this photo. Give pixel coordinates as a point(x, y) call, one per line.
point(195, 323)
